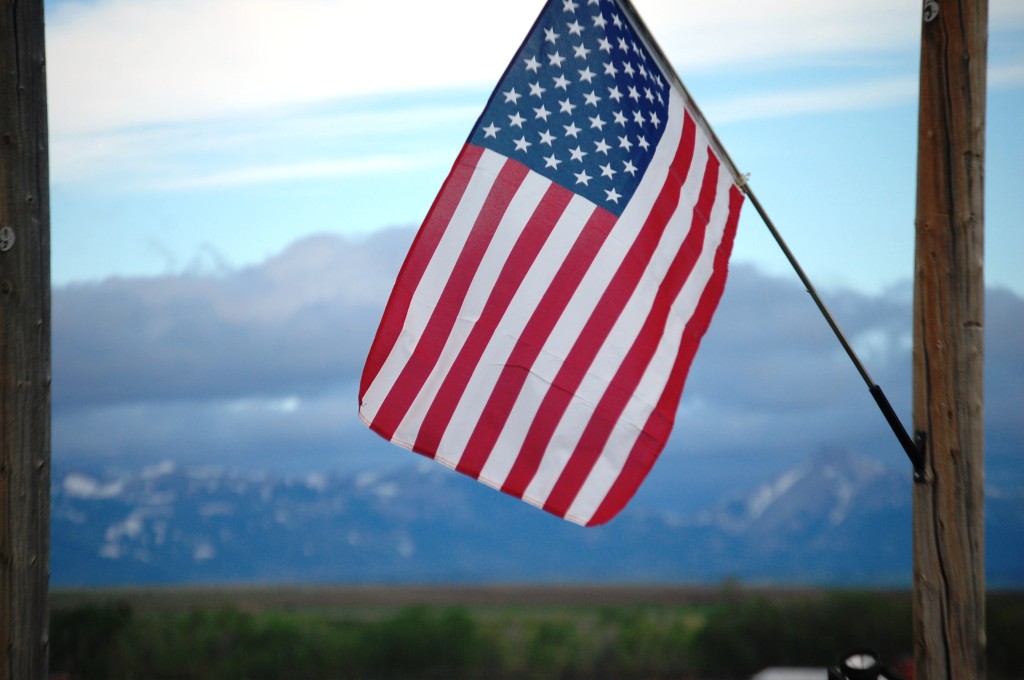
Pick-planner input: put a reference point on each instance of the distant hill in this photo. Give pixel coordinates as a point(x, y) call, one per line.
point(836, 519)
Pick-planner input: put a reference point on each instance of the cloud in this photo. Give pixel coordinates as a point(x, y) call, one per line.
point(120, 63)
point(259, 367)
point(175, 94)
point(853, 97)
point(297, 324)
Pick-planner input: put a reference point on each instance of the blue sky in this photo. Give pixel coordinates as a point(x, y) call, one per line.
point(208, 135)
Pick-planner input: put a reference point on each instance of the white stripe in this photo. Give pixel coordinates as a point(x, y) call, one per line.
point(584, 300)
point(519, 211)
point(496, 355)
point(624, 331)
point(625, 434)
point(435, 276)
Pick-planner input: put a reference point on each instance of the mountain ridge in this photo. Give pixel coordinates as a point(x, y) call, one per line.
point(837, 518)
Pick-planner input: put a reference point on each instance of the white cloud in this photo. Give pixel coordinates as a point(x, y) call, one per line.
point(854, 97)
point(115, 63)
point(260, 174)
point(144, 88)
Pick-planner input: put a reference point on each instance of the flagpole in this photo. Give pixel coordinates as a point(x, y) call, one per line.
point(914, 447)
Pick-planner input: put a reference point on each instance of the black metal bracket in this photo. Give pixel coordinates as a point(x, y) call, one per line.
point(921, 444)
point(916, 447)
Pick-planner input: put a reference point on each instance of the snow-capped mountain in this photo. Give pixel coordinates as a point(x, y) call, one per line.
point(838, 518)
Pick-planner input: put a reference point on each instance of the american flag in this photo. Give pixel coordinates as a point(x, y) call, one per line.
point(544, 321)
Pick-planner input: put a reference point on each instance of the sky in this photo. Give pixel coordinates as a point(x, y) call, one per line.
point(207, 135)
point(234, 184)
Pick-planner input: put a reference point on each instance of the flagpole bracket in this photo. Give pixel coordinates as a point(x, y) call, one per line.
point(921, 446)
point(916, 447)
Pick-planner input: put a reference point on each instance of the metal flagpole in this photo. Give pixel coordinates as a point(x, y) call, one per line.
point(914, 448)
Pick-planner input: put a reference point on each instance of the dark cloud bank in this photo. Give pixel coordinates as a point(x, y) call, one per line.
point(258, 369)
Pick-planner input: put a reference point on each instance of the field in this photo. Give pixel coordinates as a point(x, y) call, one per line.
point(486, 631)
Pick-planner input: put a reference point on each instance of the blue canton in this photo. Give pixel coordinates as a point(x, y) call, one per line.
point(583, 103)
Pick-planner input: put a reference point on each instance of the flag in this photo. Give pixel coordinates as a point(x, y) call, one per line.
point(543, 323)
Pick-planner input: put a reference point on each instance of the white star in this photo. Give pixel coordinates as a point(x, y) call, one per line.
point(633, 94)
point(512, 96)
point(561, 82)
point(628, 68)
point(620, 118)
point(648, 95)
point(586, 75)
point(604, 45)
point(546, 137)
point(541, 113)
point(536, 90)
point(624, 143)
point(581, 51)
point(591, 98)
point(638, 118)
point(614, 93)
point(643, 71)
point(613, 195)
point(515, 120)
point(655, 121)
point(609, 69)
point(522, 144)
point(571, 130)
point(630, 168)
point(550, 35)
point(551, 162)
point(583, 178)
point(599, 20)
point(565, 106)
point(532, 64)
point(602, 146)
point(555, 60)
point(616, 20)
point(623, 45)
point(642, 141)
point(575, 28)
point(607, 171)
point(597, 122)
point(577, 154)
point(569, 6)
point(491, 131)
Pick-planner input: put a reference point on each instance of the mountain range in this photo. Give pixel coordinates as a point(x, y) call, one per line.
point(838, 518)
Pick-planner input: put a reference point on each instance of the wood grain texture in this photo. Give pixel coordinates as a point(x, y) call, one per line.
point(24, 343)
point(949, 574)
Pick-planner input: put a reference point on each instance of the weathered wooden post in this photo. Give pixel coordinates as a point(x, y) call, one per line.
point(24, 344)
point(949, 545)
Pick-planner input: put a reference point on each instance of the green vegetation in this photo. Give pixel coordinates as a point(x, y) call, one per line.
point(731, 635)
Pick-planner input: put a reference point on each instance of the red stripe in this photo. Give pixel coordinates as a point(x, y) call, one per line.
point(599, 325)
point(629, 373)
point(536, 332)
point(659, 424)
point(520, 259)
point(420, 254)
point(445, 313)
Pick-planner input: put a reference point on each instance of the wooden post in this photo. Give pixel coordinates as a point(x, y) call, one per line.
point(949, 570)
point(24, 344)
